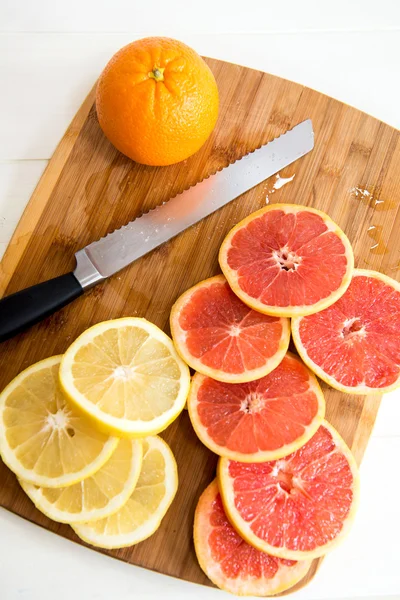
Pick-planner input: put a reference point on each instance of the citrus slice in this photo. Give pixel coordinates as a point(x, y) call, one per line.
point(219, 336)
point(141, 515)
point(260, 420)
point(354, 345)
point(127, 375)
point(287, 260)
point(97, 496)
point(43, 438)
point(298, 507)
point(230, 562)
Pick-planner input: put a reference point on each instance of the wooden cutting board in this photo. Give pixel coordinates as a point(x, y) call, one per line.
point(89, 189)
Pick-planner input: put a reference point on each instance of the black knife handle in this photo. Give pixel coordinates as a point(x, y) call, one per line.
point(27, 307)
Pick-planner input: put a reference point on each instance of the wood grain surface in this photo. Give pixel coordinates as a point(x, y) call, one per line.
point(89, 189)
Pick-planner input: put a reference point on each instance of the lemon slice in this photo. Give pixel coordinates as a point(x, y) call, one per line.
point(141, 516)
point(127, 375)
point(97, 496)
point(43, 438)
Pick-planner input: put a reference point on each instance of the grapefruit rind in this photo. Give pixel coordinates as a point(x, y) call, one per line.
point(179, 335)
point(285, 578)
point(287, 311)
point(244, 530)
point(261, 456)
point(357, 390)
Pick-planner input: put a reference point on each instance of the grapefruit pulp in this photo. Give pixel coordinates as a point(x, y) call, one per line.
point(354, 345)
point(261, 420)
point(231, 563)
point(298, 507)
point(287, 260)
point(219, 336)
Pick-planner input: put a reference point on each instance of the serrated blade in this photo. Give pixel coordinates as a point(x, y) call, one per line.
point(118, 249)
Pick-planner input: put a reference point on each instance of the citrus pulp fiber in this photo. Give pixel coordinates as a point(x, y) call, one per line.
point(97, 496)
point(298, 507)
point(127, 375)
point(141, 515)
point(287, 260)
point(219, 336)
point(260, 420)
point(43, 438)
point(354, 345)
point(230, 562)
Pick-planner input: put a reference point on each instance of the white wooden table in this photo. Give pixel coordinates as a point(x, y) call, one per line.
point(51, 51)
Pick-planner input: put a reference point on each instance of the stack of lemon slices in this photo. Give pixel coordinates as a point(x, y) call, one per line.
point(79, 431)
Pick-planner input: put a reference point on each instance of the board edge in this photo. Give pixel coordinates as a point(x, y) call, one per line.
point(42, 192)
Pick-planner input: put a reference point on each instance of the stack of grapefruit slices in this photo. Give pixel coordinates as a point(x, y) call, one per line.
point(287, 485)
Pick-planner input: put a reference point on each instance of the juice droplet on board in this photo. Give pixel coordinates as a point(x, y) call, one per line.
point(379, 246)
point(278, 184)
point(367, 263)
point(369, 197)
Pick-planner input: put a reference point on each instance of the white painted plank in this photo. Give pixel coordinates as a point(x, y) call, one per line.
point(49, 75)
point(387, 423)
point(182, 17)
point(365, 565)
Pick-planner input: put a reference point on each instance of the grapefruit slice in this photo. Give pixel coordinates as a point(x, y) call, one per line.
point(354, 345)
point(231, 563)
point(298, 507)
point(260, 420)
point(219, 336)
point(287, 260)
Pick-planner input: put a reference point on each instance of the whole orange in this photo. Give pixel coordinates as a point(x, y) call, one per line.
point(157, 101)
